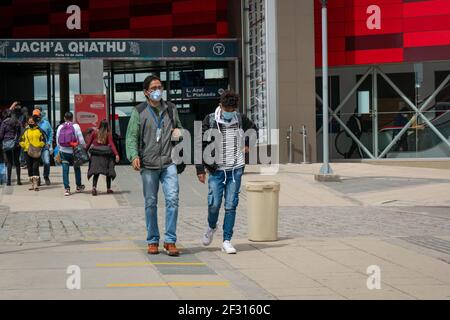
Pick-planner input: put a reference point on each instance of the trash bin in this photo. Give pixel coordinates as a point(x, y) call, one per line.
point(262, 204)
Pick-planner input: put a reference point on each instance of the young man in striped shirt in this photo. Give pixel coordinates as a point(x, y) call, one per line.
point(227, 126)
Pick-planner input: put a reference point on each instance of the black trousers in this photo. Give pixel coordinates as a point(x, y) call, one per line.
point(32, 165)
point(95, 180)
point(12, 159)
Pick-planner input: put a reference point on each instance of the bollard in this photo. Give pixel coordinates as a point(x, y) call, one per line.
point(262, 204)
point(289, 141)
point(304, 135)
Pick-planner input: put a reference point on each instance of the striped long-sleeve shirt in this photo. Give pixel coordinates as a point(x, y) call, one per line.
point(232, 154)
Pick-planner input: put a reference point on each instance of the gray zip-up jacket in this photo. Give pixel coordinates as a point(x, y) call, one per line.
point(142, 133)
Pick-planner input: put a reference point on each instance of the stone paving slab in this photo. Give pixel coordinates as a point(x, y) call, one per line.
point(327, 239)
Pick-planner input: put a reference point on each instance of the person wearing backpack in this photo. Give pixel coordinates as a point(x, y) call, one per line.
point(225, 174)
point(149, 148)
point(10, 132)
point(32, 142)
point(68, 136)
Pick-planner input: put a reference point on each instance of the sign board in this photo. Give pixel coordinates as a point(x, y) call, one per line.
point(90, 109)
point(17, 49)
point(202, 92)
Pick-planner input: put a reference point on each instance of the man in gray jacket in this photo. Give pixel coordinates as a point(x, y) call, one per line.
point(149, 148)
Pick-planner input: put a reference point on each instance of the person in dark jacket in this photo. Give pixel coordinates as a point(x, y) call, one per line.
point(227, 167)
point(103, 154)
point(10, 133)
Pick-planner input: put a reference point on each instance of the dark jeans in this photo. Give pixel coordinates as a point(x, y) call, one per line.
point(12, 159)
point(32, 165)
point(108, 181)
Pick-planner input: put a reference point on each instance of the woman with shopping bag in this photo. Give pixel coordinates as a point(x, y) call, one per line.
point(103, 156)
point(32, 142)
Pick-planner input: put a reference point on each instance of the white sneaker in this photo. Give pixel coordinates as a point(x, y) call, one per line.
point(208, 236)
point(228, 247)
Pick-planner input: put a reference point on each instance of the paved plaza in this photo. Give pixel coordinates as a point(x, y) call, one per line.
point(394, 218)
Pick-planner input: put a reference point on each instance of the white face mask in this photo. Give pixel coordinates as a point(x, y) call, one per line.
point(155, 95)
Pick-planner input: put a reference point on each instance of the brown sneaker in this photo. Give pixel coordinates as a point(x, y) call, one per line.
point(171, 249)
point(153, 248)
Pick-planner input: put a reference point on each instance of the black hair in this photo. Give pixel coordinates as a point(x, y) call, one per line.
point(149, 80)
point(68, 116)
point(229, 99)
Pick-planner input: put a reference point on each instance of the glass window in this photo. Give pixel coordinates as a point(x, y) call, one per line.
point(123, 97)
point(124, 78)
point(140, 96)
point(140, 77)
point(74, 87)
point(215, 74)
point(40, 87)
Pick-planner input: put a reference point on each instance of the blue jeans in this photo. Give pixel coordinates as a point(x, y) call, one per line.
point(169, 180)
point(67, 161)
point(228, 184)
point(45, 158)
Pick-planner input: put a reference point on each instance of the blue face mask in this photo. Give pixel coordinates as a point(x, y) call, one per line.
point(156, 95)
point(228, 115)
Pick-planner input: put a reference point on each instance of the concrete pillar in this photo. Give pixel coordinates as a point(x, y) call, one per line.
point(91, 76)
point(296, 76)
point(64, 89)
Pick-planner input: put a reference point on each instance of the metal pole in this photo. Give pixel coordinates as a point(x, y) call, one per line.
point(303, 133)
point(375, 112)
point(289, 140)
point(326, 168)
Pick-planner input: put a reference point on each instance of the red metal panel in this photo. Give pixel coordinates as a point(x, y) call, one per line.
point(116, 19)
point(421, 27)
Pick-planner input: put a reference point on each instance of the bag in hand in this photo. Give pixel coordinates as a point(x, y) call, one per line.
point(34, 152)
point(80, 156)
point(9, 145)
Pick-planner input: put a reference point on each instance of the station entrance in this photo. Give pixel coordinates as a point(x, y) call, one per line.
point(193, 86)
point(50, 72)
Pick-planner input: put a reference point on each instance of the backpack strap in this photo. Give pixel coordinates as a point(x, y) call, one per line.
point(171, 113)
point(239, 116)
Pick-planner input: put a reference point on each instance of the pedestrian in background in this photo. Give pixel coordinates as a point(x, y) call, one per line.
point(45, 126)
point(68, 136)
point(103, 156)
point(32, 142)
point(10, 133)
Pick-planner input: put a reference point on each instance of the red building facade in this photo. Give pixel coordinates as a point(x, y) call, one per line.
point(115, 19)
point(385, 31)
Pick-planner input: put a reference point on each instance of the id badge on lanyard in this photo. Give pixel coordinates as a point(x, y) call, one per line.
point(159, 124)
point(158, 134)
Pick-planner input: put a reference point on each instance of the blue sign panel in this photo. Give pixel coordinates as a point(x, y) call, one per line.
point(118, 49)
